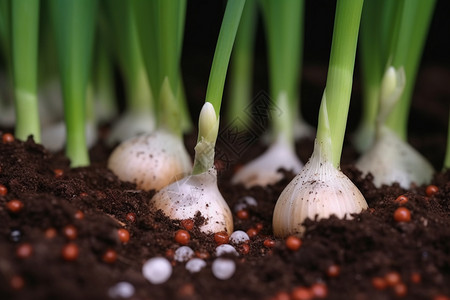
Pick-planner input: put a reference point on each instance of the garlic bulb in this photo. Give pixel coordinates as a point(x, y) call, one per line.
point(130, 125)
point(321, 190)
point(264, 170)
point(151, 161)
point(196, 193)
point(391, 160)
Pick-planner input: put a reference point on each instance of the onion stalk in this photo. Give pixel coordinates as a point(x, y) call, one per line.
point(321, 189)
point(7, 117)
point(284, 29)
point(447, 152)
point(199, 192)
point(154, 160)
point(391, 159)
point(105, 97)
point(138, 117)
point(24, 40)
point(373, 45)
point(241, 68)
point(74, 27)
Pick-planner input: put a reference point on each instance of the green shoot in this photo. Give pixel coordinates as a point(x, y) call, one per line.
point(413, 23)
point(123, 24)
point(284, 29)
point(242, 66)
point(447, 153)
point(103, 78)
point(321, 190)
point(336, 98)
point(372, 39)
point(24, 38)
point(209, 117)
point(160, 28)
point(74, 34)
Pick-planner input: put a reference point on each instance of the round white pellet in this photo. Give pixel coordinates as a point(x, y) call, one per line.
point(226, 249)
point(245, 202)
point(122, 289)
point(239, 236)
point(223, 268)
point(157, 270)
point(184, 253)
point(195, 265)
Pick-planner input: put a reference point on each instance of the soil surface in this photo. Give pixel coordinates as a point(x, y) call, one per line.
point(63, 243)
point(93, 203)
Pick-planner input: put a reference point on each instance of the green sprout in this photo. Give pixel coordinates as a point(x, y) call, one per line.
point(241, 67)
point(164, 159)
point(199, 192)
point(390, 158)
point(283, 20)
point(74, 24)
point(139, 111)
point(24, 41)
point(321, 189)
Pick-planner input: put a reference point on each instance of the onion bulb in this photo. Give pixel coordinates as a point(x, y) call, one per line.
point(319, 190)
point(196, 193)
point(391, 159)
point(264, 170)
point(151, 161)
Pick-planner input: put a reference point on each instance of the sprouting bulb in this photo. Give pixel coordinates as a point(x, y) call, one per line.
point(151, 161)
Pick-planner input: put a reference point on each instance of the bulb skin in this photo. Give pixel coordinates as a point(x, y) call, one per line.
point(391, 160)
point(319, 190)
point(184, 198)
point(263, 170)
point(129, 125)
point(151, 161)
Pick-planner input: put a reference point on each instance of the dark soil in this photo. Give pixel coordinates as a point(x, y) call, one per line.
point(371, 245)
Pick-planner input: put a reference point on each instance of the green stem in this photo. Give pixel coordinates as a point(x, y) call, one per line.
point(209, 116)
point(242, 67)
point(284, 28)
point(371, 59)
point(25, 21)
point(227, 35)
point(74, 27)
point(160, 30)
point(414, 24)
point(336, 99)
point(447, 153)
point(5, 32)
point(171, 14)
point(123, 21)
point(103, 77)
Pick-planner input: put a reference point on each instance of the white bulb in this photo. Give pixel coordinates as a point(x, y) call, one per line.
point(319, 190)
point(195, 265)
point(263, 170)
point(223, 268)
point(183, 253)
point(131, 125)
point(121, 290)
point(151, 161)
point(196, 193)
point(239, 236)
point(157, 270)
point(226, 249)
point(391, 160)
point(245, 202)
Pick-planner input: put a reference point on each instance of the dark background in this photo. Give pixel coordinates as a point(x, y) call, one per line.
point(429, 109)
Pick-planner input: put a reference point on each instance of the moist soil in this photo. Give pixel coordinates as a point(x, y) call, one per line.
point(371, 245)
point(92, 199)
